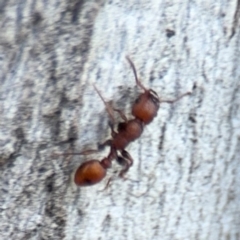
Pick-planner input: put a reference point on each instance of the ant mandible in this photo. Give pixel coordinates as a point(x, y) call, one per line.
point(144, 109)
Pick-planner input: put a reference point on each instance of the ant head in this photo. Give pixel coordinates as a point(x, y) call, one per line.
point(146, 106)
point(89, 173)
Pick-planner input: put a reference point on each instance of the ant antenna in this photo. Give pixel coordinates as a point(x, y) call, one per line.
point(135, 74)
point(107, 105)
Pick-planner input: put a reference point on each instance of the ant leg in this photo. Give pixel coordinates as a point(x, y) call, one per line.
point(120, 160)
point(109, 141)
point(122, 125)
point(101, 146)
point(107, 185)
point(128, 162)
point(127, 155)
point(175, 100)
point(86, 152)
point(111, 156)
point(122, 115)
point(113, 133)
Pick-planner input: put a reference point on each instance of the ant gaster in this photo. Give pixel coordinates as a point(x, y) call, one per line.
point(93, 171)
point(144, 109)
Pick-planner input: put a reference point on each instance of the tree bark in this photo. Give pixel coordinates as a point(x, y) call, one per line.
point(184, 183)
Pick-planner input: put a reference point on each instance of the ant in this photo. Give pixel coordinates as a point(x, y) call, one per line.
point(144, 109)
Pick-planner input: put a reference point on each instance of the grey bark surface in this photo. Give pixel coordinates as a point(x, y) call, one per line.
point(184, 183)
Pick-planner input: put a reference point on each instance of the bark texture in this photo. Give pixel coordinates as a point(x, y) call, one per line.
point(184, 183)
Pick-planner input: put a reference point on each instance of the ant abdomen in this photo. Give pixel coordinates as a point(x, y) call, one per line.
point(90, 173)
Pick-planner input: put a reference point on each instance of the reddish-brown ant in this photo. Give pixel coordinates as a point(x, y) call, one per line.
point(144, 110)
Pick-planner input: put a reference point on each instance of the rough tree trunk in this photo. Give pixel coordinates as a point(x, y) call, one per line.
point(184, 183)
